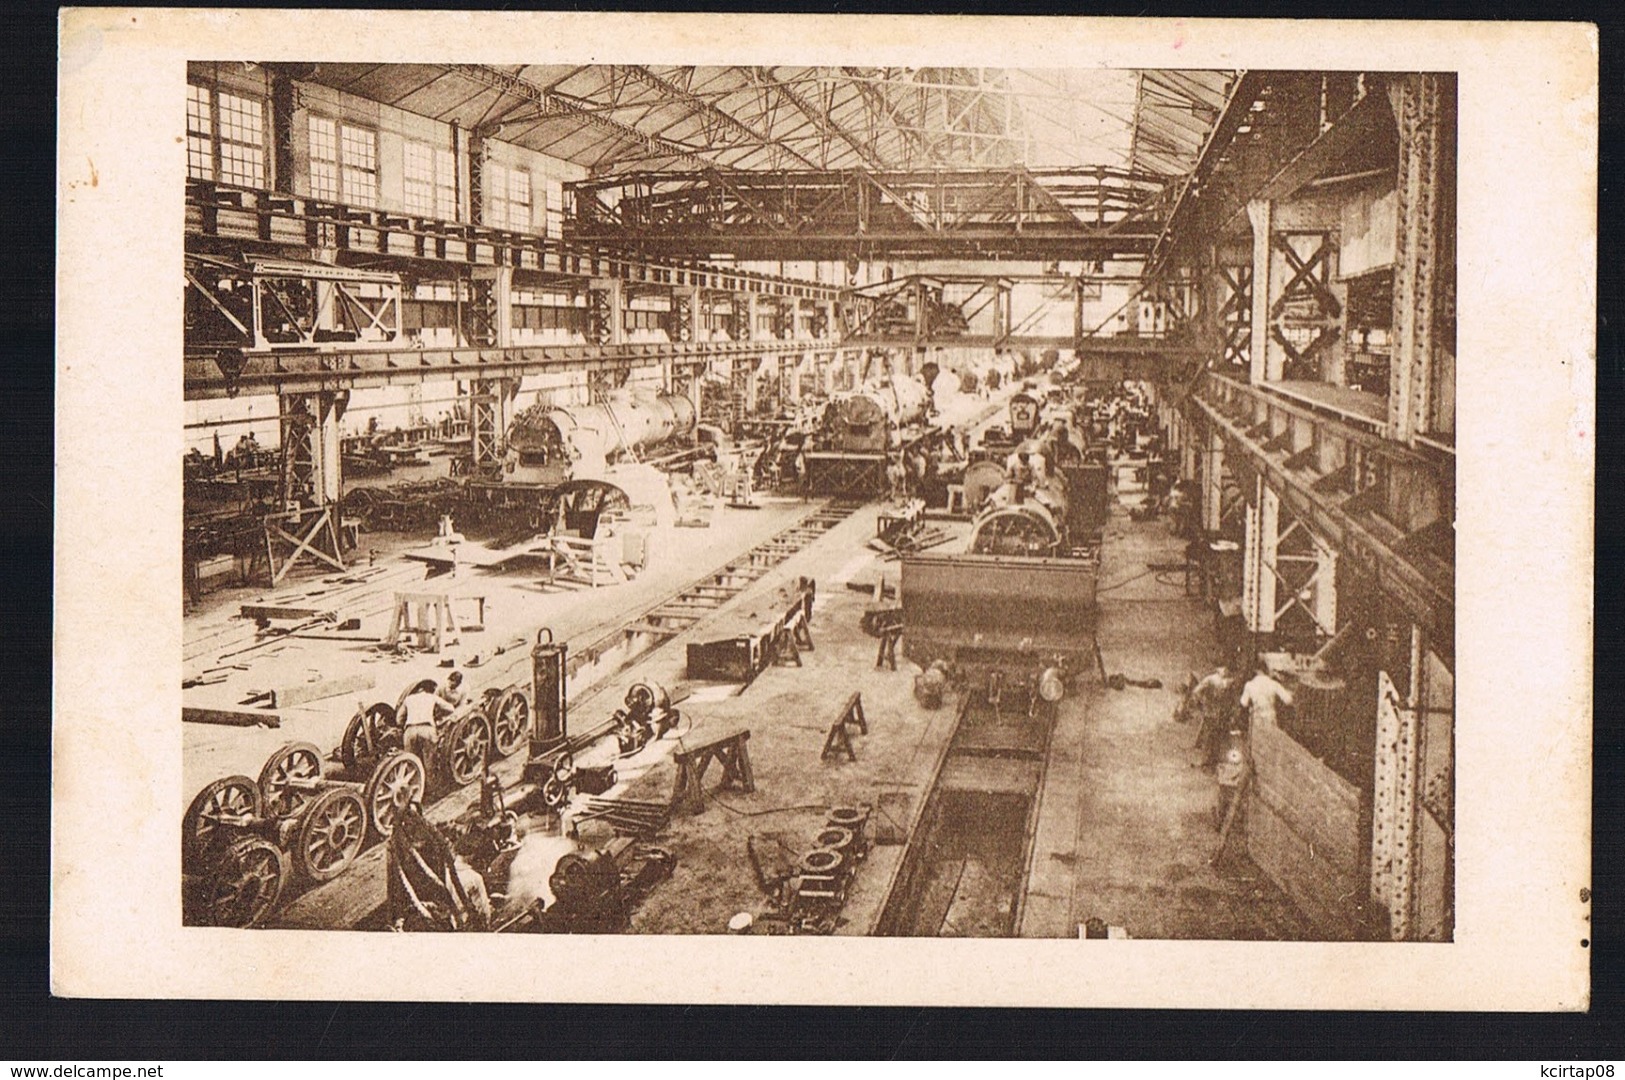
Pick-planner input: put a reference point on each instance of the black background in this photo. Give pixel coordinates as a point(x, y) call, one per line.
point(35, 1026)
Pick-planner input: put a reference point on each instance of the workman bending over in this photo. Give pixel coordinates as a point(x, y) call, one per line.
point(420, 710)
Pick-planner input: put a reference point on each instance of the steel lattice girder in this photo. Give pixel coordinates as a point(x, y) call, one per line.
point(312, 372)
point(1095, 212)
point(1333, 511)
point(230, 227)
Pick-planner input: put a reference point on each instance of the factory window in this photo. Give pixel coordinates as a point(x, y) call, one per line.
point(508, 198)
point(242, 141)
point(199, 134)
point(232, 151)
point(324, 158)
point(445, 185)
point(431, 181)
point(358, 164)
point(343, 162)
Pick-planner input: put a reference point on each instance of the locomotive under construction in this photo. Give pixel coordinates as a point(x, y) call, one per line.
point(570, 470)
point(1025, 583)
point(862, 432)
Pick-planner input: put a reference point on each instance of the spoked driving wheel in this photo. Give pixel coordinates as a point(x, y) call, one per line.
point(397, 781)
point(330, 834)
point(510, 722)
point(243, 885)
point(232, 802)
point(465, 748)
point(372, 733)
point(290, 778)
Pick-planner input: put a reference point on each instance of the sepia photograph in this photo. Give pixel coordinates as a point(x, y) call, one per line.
point(900, 498)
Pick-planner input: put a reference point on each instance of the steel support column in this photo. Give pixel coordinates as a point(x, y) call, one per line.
point(1259, 572)
point(1416, 106)
point(685, 314)
point(311, 483)
point(1260, 367)
point(477, 152)
point(1233, 316)
point(1213, 482)
point(606, 311)
point(1394, 800)
point(490, 403)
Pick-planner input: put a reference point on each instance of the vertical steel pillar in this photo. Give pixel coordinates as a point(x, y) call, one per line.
point(1213, 482)
point(490, 404)
point(311, 469)
point(606, 319)
point(311, 484)
point(1259, 569)
point(1077, 312)
point(1416, 106)
point(290, 136)
point(1261, 365)
point(477, 152)
point(1394, 799)
point(685, 307)
point(1323, 605)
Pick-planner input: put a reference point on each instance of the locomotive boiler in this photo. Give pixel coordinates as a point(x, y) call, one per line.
point(549, 445)
point(1025, 516)
point(561, 469)
point(860, 434)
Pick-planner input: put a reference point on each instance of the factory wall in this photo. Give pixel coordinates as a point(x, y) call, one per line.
point(394, 128)
point(1307, 831)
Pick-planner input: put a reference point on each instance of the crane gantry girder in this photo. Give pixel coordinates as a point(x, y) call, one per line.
point(1095, 212)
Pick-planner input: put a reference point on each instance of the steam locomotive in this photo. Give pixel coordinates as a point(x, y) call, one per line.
point(561, 470)
point(860, 432)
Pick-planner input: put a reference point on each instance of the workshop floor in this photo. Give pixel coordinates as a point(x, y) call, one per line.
point(1125, 825)
point(515, 606)
point(789, 711)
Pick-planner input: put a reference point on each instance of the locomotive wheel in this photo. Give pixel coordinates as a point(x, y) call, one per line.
point(422, 685)
point(571, 874)
point(243, 885)
point(330, 834)
point(845, 817)
point(465, 747)
point(285, 776)
point(510, 721)
point(370, 736)
point(835, 838)
point(399, 779)
point(230, 802)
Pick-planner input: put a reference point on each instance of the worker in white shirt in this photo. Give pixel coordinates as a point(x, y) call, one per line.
point(419, 712)
point(1262, 695)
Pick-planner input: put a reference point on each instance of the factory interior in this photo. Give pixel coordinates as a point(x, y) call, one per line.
point(915, 502)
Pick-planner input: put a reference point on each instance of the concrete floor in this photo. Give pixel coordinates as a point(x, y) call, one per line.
point(1125, 822)
point(515, 606)
point(789, 711)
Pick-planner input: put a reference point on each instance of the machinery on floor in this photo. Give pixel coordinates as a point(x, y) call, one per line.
point(864, 432)
point(561, 465)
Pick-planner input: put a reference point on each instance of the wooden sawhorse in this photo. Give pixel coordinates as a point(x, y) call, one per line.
point(839, 739)
point(427, 620)
point(731, 750)
point(890, 635)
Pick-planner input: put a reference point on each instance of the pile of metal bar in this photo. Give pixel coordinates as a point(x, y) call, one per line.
point(629, 817)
